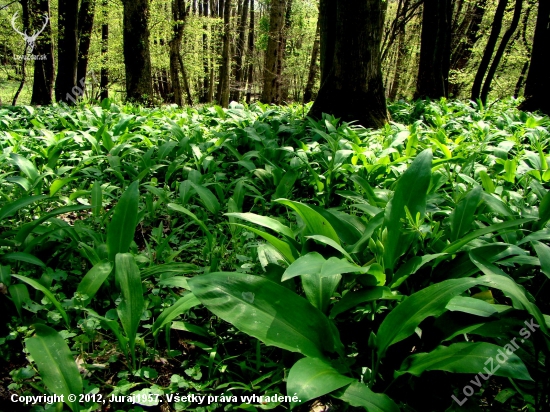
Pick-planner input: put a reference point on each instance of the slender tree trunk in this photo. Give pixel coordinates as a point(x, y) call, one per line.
point(104, 82)
point(282, 45)
point(528, 49)
point(489, 49)
point(205, 58)
point(399, 66)
point(185, 81)
point(537, 86)
point(225, 67)
point(313, 66)
point(273, 55)
point(44, 76)
point(353, 88)
point(435, 50)
point(137, 57)
point(500, 51)
point(67, 52)
point(179, 14)
point(250, 52)
point(85, 24)
point(26, 24)
point(241, 44)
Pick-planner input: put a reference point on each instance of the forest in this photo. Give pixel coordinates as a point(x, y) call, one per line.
point(307, 205)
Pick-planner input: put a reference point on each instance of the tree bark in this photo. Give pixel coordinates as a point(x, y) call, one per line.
point(67, 52)
point(273, 56)
point(313, 66)
point(137, 57)
point(399, 66)
point(241, 44)
point(225, 67)
point(85, 24)
point(489, 49)
point(352, 90)
point(179, 14)
point(435, 50)
point(44, 70)
point(528, 49)
point(250, 53)
point(205, 97)
point(104, 82)
point(537, 85)
point(500, 51)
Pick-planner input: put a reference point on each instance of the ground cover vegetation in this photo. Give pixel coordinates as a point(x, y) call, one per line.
point(255, 251)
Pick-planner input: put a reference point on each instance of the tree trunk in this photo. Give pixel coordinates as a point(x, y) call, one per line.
point(489, 49)
point(464, 40)
point(528, 49)
point(435, 50)
point(67, 52)
point(250, 52)
point(282, 46)
point(239, 69)
point(352, 89)
point(273, 56)
point(399, 66)
point(313, 67)
point(104, 82)
point(225, 67)
point(44, 70)
point(179, 14)
point(537, 86)
point(205, 97)
point(137, 57)
point(500, 51)
point(85, 24)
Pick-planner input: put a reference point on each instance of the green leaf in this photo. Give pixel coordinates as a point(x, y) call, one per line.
point(55, 363)
point(47, 293)
point(315, 223)
point(114, 327)
point(121, 229)
point(411, 267)
point(26, 166)
point(487, 182)
point(207, 198)
point(58, 184)
point(472, 306)
point(92, 281)
point(359, 395)
point(24, 257)
point(286, 183)
point(19, 294)
point(310, 378)
point(264, 221)
point(176, 281)
point(330, 242)
point(267, 311)
point(464, 213)
point(181, 306)
point(199, 222)
point(358, 297)
point(543, 252)
point(97, 199)
point(314, 263)
point(544, 209)
point(285, 247)
point(13, 207)
point(467, 357)
point(410, 191)
point(132, 305)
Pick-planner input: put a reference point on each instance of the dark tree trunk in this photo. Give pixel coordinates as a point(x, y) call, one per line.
point(179, 14)
point(537, 86)
point(528, 49)
point(137, 57)
point(399, 66)
point(250, 52)
point(26, 24)
point(313, 67)
point(500, 51)
point(241, 44)
point(104, 82)
point(282, 46)
point(205, 97)
point(353, 88)
point(464, 40)
point(67, 52)
point(435, 50)
point(225, 67)
point(489, 49)
point(85, 24)
point(327, 21)
point(273, 56)
point(42, 88)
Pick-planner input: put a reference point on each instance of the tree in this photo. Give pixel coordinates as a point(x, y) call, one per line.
point(537, 85)
point(313, 67)
point(44, 69)
point(239, 67)
point(137, 57)
point(104, 81)
point(273, 57)
point(351, 75)
point(250, 53)
point(179, 15)
point(67, 52)
point(85, 25)
point(435, 50)
point(225, 66)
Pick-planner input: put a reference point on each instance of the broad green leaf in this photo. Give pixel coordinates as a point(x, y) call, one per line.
point(58, 184)
point(543, 252)
point(267, 311)
point(92, 281)
point(13, 207)
point(314, 263)
point(487, 182)
point(311, 378)
point(5, 275)
point(496, 205)
point(181, 306)
point(114, 327)
point(176, 281)
point(97, 199)
point(264, 221)
point(132, 305)
point(24, 257)
point(285, 247)
point(330, 242)
point(208, 198)
point(411, 267)
point(26, 166)
point(166, 149)
point(373, 224)
point(55, 364)
point(19, 294)
point(472, 306)
point(285, 185)
point(189, 327)
point(467, 357)
point(319, 289)
point(359, 395)
point(199, 222)
point(544, 210)
point(354, 298)
point(464, 213)
point(410, 192)
point(47, 293)
point(315, 223)
point(121, 229)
